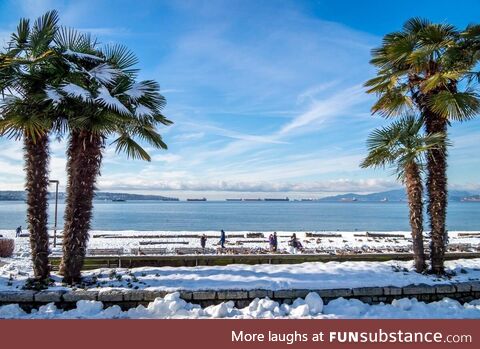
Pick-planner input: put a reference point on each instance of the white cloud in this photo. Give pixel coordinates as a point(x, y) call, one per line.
point(185, 137)
point(219, 131)
point(337, 185)
point(168, 158)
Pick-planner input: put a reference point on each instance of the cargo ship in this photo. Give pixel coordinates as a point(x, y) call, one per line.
point(202, 199)
point(274, 199)
point(473, 198)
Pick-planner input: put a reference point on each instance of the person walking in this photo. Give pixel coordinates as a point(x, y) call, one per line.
point(293, 243)
point(270, 242)
point(18, 231)
point(275, 241)
point(222, 238)
point(203, 242)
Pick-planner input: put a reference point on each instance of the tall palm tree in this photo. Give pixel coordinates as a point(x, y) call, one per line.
point(103, 103)
point(428, 67)
point(26, 66)
point(402, 146)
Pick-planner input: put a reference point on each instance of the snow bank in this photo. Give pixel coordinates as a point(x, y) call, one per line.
point(172, 306)
point(312, 276)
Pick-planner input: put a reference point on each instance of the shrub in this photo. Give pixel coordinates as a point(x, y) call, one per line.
point(6, 247)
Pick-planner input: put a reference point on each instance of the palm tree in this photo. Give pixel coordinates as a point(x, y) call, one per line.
point(402, 146)
point(26, 66)
point(428, 67)
point(103, 103)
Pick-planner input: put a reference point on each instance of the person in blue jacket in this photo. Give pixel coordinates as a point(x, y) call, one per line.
point(222, 238)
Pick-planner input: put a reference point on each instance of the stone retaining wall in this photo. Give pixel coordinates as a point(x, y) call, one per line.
point(125, 261)
point(127, 298)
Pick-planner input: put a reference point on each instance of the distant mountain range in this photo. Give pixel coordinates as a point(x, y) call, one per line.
point(390, 196)
point(20, 196)
point(396, 195)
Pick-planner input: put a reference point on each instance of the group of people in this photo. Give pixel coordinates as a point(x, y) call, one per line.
point(273, 242)
point(294, 244)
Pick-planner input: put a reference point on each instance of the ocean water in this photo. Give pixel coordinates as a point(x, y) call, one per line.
point(254, 216)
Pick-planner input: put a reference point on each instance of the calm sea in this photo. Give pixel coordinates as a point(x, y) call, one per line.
point(256, 216)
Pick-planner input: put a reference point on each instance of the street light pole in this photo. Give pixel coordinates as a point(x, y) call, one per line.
point(56, 210)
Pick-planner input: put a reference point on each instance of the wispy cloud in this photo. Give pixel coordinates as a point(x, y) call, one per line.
point(323, 110)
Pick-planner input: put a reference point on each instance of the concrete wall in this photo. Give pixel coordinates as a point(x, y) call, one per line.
point(95, 262)
point(127, 298)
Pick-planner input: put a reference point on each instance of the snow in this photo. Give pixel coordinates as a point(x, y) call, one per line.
point(76, 91)
point(104, 73)
point(314, 275)
point(142, 110)
point(346, 241)
point(137, 91)
point(80, 55)
point(53, 95)
point(104, 97)
point(314, 302)
point(172, 306)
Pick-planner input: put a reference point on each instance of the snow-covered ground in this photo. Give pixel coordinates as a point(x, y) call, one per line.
point(172, 306)
point(317, 275)
point(15, 270)
point(314, 275)
point(347, 241)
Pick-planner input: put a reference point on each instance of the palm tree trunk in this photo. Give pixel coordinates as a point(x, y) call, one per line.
point(414, 185)
point(36, 168)
point(84, 160)
point(437, 193)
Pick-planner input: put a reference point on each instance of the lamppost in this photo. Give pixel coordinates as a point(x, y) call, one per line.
point(56, 206)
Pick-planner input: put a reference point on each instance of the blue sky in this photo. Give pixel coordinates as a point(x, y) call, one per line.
point(266, 96)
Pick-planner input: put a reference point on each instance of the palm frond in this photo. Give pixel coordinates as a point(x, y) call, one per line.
point(393, 103)
point(120, 57)
point(105, 99)
point(43, 32)
point(73, 41)
point(440, 80)
point(400, 145)
point(458, 106)
point(415, 24)
point(20, 38)
point(125, 144)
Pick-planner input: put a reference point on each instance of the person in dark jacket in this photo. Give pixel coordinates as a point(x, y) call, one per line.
point(275, 241)
point(203, 242)
point(293, 243)
point(18, 231)
point(222, 238)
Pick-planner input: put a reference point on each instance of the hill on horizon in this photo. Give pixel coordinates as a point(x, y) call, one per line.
point(392, 195)
point(18, 195)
